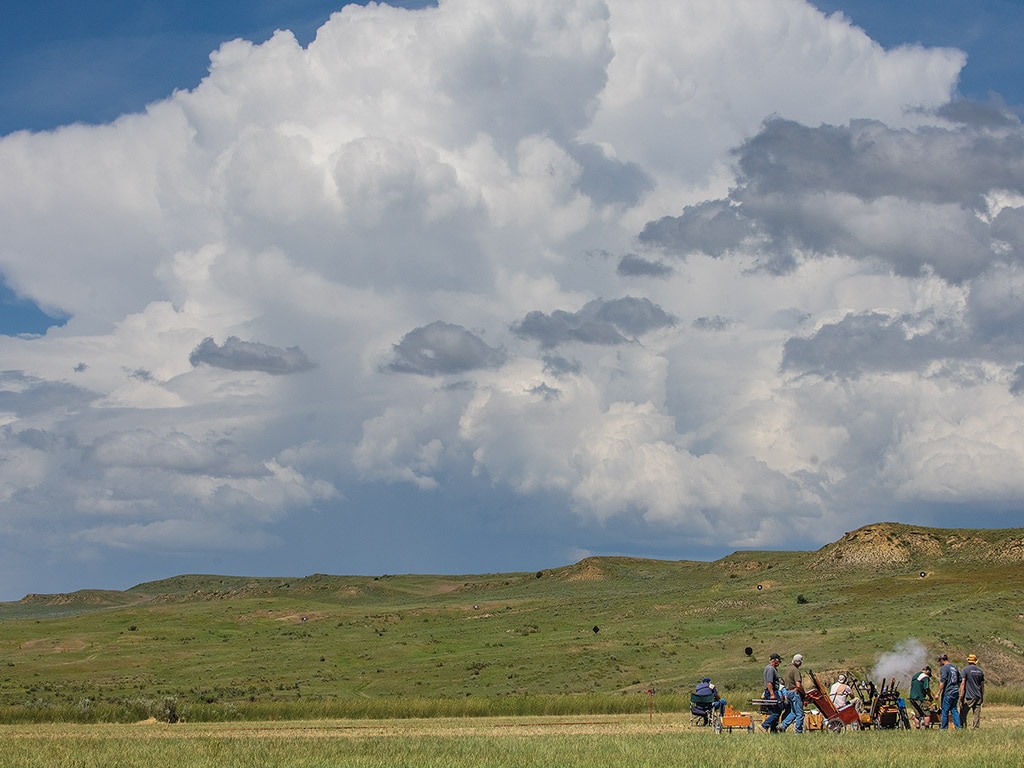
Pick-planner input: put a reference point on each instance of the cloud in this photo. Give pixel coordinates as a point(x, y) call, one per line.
point(632, 265)
point(597, 322)
point(716, 323)
point(174, 452)
point(606, 180)
point(237, 355)
point(25, 395)
point(868, 341)
point(713, 227)
point(916, 200)
point(815, 317)
point(441, 348)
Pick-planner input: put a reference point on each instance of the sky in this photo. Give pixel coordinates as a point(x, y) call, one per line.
point(289, 288)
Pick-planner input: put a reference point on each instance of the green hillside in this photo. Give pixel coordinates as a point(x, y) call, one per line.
point(601, 626)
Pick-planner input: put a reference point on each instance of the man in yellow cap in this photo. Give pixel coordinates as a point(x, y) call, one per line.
point(972, 691)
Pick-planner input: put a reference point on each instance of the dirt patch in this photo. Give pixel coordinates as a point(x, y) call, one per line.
point(282, 616)
point(66, 645)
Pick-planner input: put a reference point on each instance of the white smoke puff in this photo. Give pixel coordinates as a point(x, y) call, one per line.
point(900, 663)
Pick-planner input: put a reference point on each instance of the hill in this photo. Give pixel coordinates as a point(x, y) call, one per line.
point(891, 546)
point(605, 625)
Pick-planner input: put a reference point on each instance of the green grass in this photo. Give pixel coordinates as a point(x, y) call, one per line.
point(544, 743)
point(221, 648)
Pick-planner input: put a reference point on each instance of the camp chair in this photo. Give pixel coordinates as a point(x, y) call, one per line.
point(703, 711)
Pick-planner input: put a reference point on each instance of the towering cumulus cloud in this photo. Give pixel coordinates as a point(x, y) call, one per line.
point(651, 277)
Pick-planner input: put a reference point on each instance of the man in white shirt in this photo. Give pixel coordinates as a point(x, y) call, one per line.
point(840, 692)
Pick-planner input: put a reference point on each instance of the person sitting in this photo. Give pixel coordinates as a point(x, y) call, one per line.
point(842, 694)
point(706, 688)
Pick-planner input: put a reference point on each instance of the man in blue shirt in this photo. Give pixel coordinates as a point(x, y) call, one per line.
point(706, 688)
point(949, 692)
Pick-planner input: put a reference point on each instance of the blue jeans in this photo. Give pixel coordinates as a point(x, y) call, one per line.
point(949, 709)
point(772, 721)
point(796, 712)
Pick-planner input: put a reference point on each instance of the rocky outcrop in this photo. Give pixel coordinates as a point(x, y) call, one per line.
point(894, 545)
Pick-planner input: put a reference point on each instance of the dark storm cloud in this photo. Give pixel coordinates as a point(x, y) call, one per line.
point(599, 322)
point(916, 200)
point(26, 395)
point(606, 180)
point(442, 348)
point(870, 341)
point(714, 227)
point(632, 265)
point(238, 355)
point(870, 160)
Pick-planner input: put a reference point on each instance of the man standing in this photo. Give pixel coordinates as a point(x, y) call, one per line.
point(972, 691)
point(949, 692)
point(771, 691)
point(921, 697)
point(795, 695)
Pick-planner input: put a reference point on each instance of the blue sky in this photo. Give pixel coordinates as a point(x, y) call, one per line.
point(473, 288)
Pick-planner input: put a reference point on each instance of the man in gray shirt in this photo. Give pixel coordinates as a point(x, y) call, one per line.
point(972, 691)
point(771, 691)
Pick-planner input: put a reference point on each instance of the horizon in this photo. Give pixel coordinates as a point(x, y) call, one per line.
point(376, 576)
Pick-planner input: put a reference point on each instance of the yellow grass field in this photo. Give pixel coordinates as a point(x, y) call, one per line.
point(552, 742)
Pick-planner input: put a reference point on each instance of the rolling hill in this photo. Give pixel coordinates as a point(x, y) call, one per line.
point(604, 625)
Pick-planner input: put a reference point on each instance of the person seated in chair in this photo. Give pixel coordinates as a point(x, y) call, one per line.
point(842, 694)
point(706, 688)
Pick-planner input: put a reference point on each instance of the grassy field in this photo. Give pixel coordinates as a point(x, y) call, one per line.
point(593, 637)
point(569, 742)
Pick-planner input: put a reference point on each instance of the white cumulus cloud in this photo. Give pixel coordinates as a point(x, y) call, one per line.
point(675, 277)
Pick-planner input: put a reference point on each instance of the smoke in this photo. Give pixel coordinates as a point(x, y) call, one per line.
point(902, 662)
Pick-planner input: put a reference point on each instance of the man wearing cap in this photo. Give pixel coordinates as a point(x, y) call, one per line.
point(972, 691)
point(771, 691)
point(795, 695)
point(706, 688)
point(949, 692)
point(921, 696)
point(840, 692)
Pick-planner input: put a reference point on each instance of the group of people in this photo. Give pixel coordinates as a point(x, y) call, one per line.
point(961, 693)
point(788, 692)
